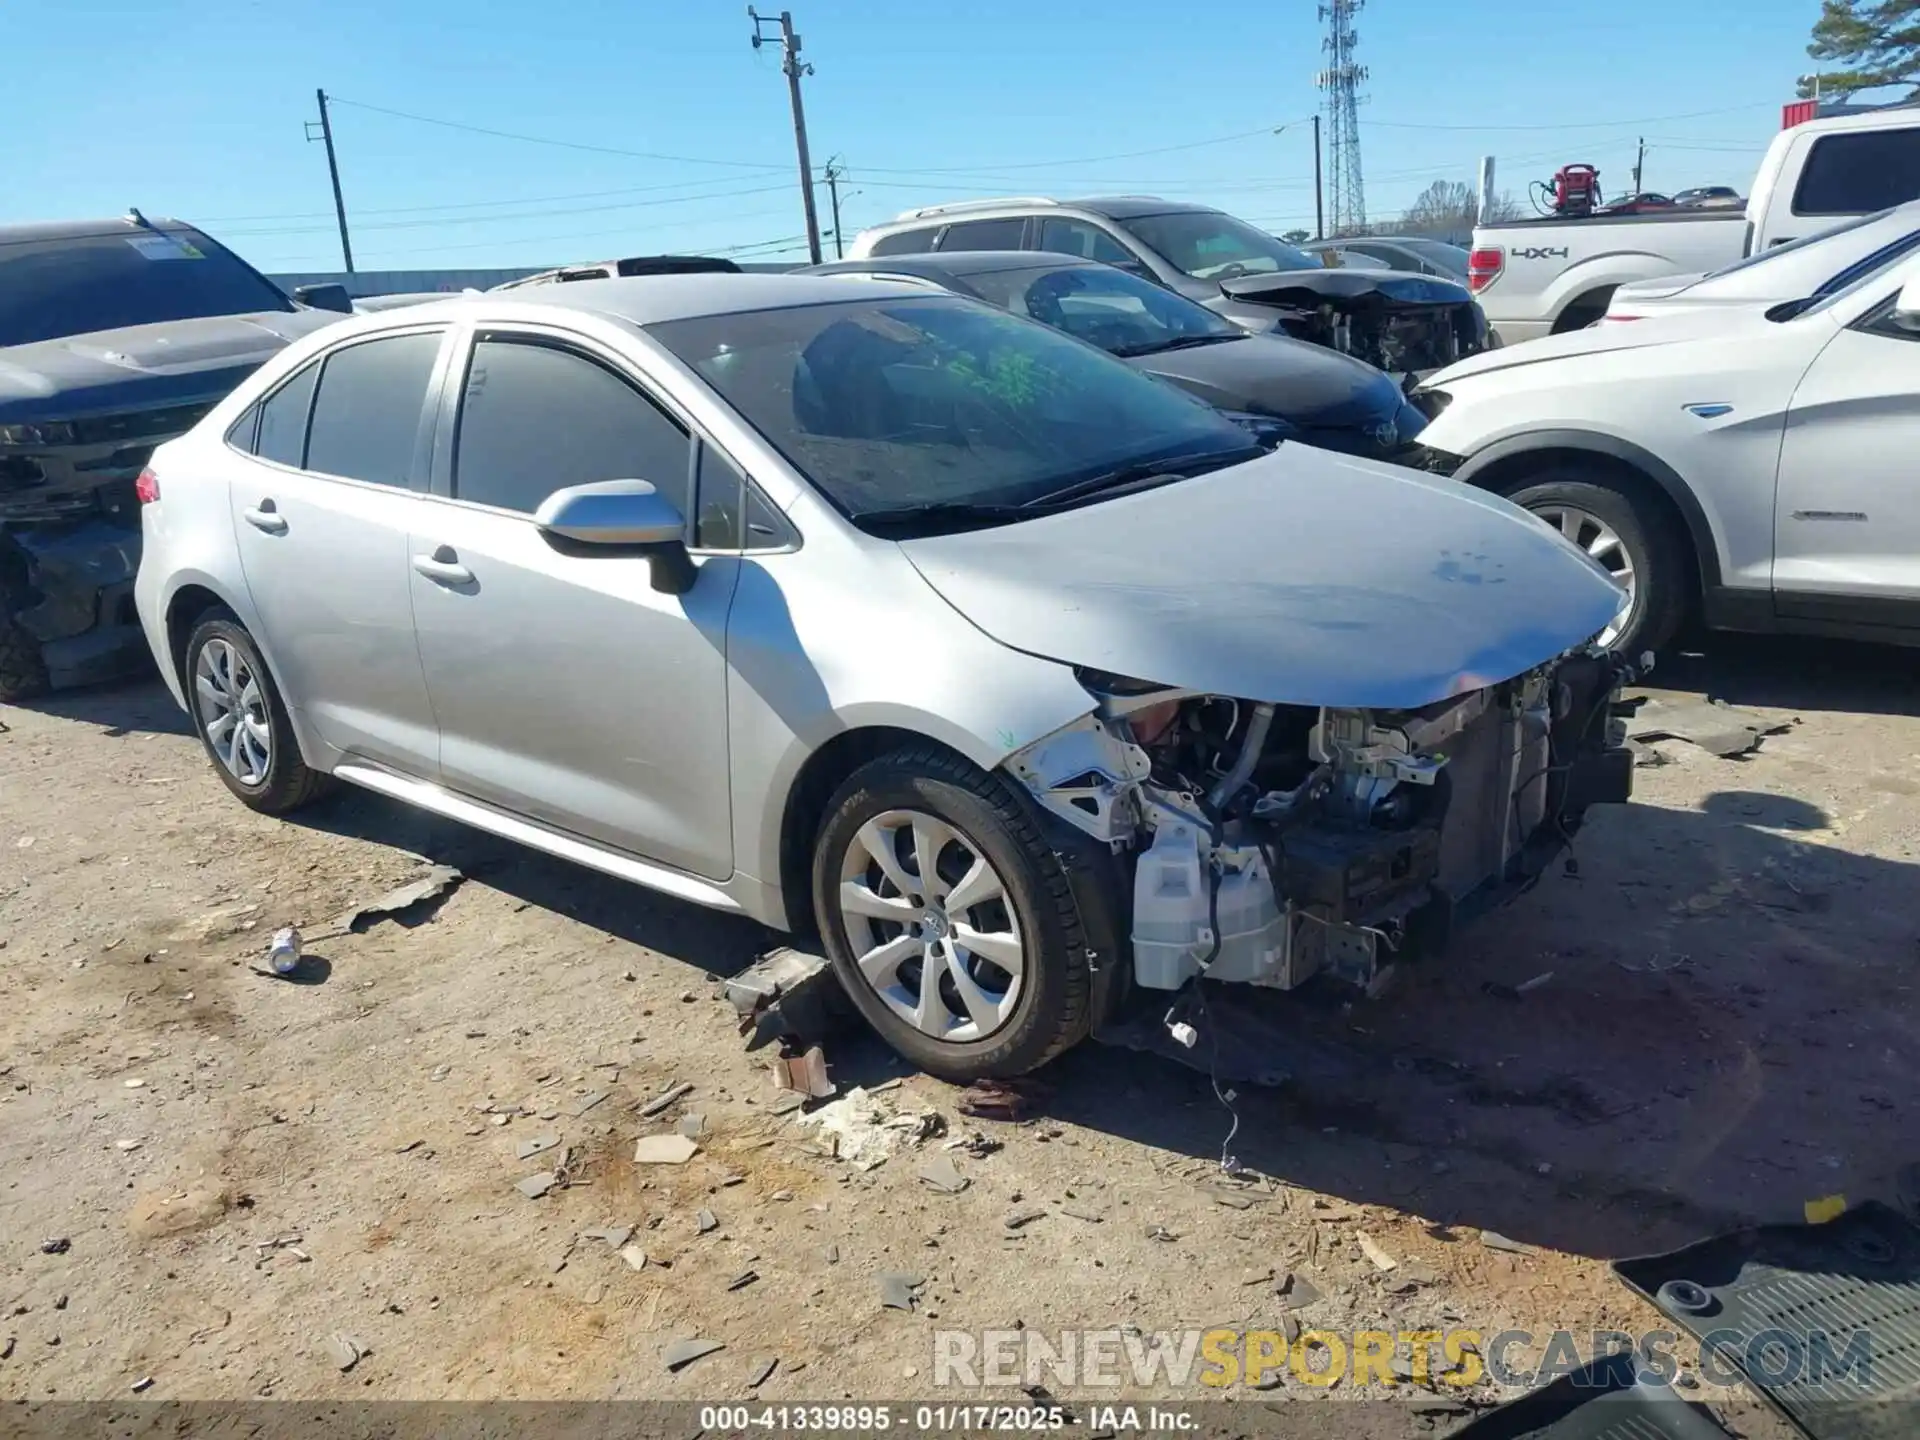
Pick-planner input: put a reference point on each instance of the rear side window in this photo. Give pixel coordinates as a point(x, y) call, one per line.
point(907, 242)
point(366, 416)
point(1089, 242)
point(984, 235)
point(283, 419)
point(537, 418)
point(1850, 174)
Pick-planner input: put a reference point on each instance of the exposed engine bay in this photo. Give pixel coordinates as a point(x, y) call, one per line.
point(1273, 843)
point(1402, 324)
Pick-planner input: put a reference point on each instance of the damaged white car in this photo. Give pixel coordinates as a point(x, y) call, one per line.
point(1027, 680)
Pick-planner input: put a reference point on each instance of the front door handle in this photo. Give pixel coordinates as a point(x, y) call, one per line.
point(443, 567)
point(265, 517)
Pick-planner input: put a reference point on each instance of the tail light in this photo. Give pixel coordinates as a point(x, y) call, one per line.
point(1484, 266)
point(147, 487)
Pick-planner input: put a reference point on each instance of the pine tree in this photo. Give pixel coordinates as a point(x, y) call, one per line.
point(1874, 42)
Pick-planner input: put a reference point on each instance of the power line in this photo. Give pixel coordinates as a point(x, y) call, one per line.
point(475, 204)
point(1263, 131)
point(548, 140)
point(1581, 125)
point(524, 214)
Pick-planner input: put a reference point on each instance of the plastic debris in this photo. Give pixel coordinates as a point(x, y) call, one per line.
point(682, 1353)
point(664, 1099)
point(705, 1221)
point(674, 1149)
point(585, 1103)
point(343, 1350)
point(803, 1074)
point(762, 1371)
point(534, 1186)
point(1371, 1249)
point(613, 1235)
point(635, 1257)
point(942, 1175)
point(1001, 1099)
point(897, 1291)
point(1494, 1240)
point(693, 1126)
point(1826, 1208)
point(408, 904)
point(743, 1279)
point(536, 1144)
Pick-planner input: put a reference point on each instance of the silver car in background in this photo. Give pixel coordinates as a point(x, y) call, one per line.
point(1025, 678)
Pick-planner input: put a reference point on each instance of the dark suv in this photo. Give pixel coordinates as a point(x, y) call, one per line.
point(114, 336)
point(1402, 323)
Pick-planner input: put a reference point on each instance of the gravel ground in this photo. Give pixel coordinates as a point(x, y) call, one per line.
point(243, 1173)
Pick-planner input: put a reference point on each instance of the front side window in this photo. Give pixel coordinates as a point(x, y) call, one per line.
point(891, 406)
point(1089, 242)
point(536, 418)
point(53, 288)
point(1209, 245)
point(1120, 313)
point(367, 410)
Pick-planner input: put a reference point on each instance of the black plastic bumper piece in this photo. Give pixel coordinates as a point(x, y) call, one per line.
point(1822, 1320)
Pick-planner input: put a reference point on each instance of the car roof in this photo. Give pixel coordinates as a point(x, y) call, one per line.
point(959, 262)
point(656, 299)
point(33, 230)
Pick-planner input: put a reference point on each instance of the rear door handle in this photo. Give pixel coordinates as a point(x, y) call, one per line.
point(265, 517)
point(443, 567)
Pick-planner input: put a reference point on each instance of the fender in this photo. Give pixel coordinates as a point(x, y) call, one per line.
point(1699, 530)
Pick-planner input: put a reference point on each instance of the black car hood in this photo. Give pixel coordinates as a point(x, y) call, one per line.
point(1346, 289)
point(1308, 385)
point(144, 365)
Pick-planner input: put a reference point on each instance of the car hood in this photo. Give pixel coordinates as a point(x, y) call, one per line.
point(1663, 327)
point(1278, 375)
point(1661, 288)
point(1347, 289)
point(1301, 577)
point(143, 365)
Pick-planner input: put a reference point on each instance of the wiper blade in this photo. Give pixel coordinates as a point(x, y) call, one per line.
point(1177, 467)
point(942, 512)
point(1184, 342)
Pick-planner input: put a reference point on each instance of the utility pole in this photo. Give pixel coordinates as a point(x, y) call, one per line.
point(833, 175)
point(1639, 160)
point(794, 67)
point(333, 169)
point(1319, 199)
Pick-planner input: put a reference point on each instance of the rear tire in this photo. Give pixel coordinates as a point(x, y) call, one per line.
point(242, 721)
point(23, 674)
point(996, 985)
point(1620, 524)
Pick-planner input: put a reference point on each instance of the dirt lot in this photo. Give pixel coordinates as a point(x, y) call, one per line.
point(1728, 1032)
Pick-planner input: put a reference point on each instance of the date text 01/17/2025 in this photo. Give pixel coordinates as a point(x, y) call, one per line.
point(908, 1419)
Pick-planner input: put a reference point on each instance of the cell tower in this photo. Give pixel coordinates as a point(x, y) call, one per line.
point(1346, 189)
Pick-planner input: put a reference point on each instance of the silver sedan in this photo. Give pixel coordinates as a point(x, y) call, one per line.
point(1024, 679)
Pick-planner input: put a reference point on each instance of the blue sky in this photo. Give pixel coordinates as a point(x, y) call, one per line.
point(195, 108)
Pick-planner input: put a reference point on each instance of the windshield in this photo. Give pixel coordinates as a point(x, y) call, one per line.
point(1211, 246)
point(1121, 313)
point(886, 406)
point(53, 288)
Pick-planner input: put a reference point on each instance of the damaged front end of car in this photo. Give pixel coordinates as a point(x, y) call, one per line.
point(1268, 844)
point(1403, 324)
point(70, 545)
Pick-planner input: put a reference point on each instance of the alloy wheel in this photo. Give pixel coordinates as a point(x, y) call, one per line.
point(233, 711)
point(1603, 543)
point(931, 927)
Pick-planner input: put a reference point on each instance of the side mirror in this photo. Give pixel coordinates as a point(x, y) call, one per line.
point(1906, 305)
point(621, 517)
point(325, 297)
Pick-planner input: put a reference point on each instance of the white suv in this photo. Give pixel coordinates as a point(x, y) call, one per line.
point(1755, 462)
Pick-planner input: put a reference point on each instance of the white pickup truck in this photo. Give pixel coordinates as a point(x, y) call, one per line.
point(1543, 277)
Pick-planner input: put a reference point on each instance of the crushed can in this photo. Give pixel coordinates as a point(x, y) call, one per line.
point(283, 954)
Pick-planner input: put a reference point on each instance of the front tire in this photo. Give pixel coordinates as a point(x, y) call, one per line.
point(1618, 524)
point(948, 919)
point(242, 721)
